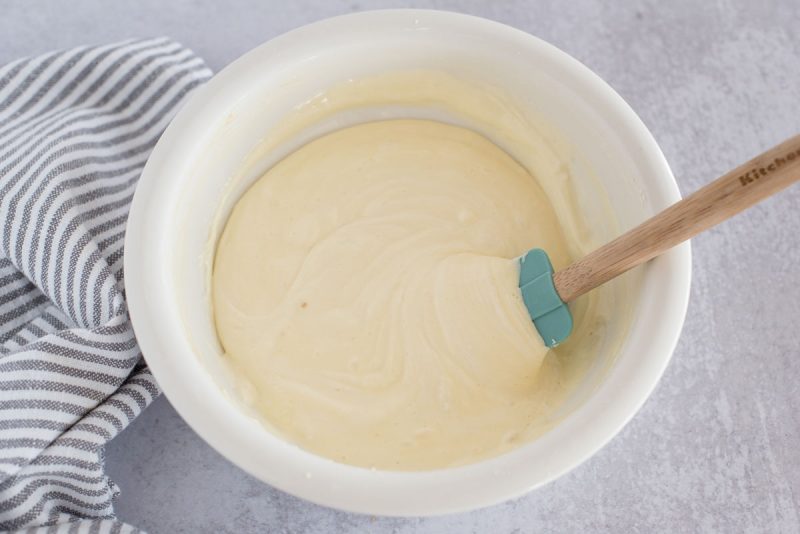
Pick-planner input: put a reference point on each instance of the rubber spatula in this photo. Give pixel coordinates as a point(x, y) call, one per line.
point(546, 293)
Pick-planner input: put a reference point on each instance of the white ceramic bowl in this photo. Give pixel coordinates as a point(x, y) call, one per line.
point(171, 231)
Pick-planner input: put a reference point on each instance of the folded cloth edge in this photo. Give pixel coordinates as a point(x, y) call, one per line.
point(76, 128)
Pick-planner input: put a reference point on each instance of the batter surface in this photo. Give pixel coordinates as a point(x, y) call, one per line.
point(365, 291)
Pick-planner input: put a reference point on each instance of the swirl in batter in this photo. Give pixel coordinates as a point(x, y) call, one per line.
point(366, 289)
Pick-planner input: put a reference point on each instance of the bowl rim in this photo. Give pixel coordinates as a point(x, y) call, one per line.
point(191, 389)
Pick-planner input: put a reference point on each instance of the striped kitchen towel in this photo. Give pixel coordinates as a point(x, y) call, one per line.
point(76, 128)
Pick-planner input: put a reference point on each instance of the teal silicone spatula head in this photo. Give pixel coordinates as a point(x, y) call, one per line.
point(550, 314)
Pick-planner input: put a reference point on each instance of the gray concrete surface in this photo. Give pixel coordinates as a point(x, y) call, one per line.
point(715, 449)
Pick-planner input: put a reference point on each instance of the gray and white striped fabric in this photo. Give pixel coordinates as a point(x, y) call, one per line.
point(76, 127)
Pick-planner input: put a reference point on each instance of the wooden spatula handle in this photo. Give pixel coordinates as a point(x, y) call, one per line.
point(744, 186)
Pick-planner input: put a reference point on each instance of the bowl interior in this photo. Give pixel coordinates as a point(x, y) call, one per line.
point(236, 127)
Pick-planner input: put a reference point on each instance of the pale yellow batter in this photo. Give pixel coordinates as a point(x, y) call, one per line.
point(365, 289)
